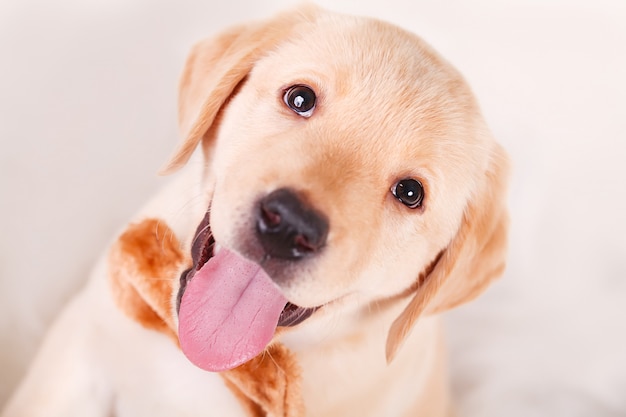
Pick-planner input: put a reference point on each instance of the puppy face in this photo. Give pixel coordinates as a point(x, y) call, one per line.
point(346, 159)
point(372, 126)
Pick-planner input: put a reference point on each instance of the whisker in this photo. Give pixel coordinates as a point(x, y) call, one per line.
point(204, 229)
point(269, 354)
point(183, 209)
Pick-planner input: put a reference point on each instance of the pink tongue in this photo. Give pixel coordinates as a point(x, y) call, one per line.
point(228, 313)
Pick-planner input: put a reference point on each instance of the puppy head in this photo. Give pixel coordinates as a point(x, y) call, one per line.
point(347, 160)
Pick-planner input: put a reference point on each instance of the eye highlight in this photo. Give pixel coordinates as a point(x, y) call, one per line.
point(301, 99)
point(409, 192)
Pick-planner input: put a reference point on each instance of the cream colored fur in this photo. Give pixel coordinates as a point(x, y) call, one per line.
point(388, 108)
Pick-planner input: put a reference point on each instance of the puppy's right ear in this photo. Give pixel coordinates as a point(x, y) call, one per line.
point(474, 257)
point(215, 68)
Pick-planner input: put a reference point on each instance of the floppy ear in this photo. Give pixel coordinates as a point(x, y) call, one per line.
point(215, 68)
point(474, 257)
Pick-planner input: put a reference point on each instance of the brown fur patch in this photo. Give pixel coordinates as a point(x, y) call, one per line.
point(268, 385)
point(143, 264)
point(143, 267)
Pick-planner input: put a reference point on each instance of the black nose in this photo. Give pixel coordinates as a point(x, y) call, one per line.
point(288, 228)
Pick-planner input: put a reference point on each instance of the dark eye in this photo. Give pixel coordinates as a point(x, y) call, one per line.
point(410, 192)
point(300, 99)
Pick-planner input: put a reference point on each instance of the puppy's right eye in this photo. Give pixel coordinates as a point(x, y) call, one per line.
point(301, 99)
point(409, 192)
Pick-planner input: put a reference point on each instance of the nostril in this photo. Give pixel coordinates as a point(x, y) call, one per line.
point(288, 227)
point(270, 218)
point(304, 245)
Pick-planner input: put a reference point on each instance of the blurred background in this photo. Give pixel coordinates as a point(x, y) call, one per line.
point(88, 115)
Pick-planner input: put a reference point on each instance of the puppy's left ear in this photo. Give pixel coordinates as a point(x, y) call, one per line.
point(474, 257)
point(214, 70)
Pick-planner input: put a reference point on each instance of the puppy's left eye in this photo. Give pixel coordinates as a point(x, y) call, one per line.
point(301, 99)
point(409, 192)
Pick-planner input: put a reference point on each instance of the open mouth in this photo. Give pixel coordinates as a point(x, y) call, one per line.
point(228, 307)
point(202, 250)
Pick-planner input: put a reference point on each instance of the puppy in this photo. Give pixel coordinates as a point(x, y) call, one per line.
point(346, 192)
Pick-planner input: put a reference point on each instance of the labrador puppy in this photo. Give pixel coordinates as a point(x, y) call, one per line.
point(344, 192)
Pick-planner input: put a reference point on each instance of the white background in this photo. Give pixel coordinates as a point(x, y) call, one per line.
point(87, 116)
